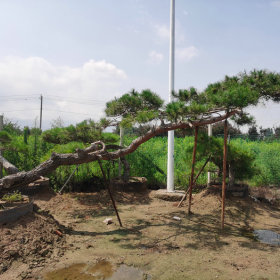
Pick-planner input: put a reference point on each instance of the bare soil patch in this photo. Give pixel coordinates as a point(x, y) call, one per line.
point(270, 195)
point(191, 248)
point(32, 240)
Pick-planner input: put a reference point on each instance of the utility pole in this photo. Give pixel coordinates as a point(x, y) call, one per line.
point(210, 133)
point(41, 111)
point(1, 128)
point(170, 159)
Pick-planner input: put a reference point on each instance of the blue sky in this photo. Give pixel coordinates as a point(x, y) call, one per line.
point(80, 54)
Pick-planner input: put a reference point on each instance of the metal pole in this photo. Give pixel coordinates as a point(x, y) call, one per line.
point(1, 128)
point(170, 159)
point(224, 174)
point(41, 110)
point(210, 133)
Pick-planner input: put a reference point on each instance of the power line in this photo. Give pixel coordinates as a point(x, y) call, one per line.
point(19, 95)
point(77, 102)
point(18, 98)
point(68, 112)
point(52, 97)
point(73, 99)
point(21, 110)
point(59, 96)
point(59, 111)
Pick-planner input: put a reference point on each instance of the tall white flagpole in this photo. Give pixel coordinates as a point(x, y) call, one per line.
point(170, 159)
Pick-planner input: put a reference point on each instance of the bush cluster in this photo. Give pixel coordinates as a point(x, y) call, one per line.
point(255, 162)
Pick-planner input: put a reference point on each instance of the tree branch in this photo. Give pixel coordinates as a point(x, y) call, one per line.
point(97, 151)
point(10, 168)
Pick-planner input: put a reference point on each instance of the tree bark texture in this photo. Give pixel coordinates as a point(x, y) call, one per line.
point(10, 168)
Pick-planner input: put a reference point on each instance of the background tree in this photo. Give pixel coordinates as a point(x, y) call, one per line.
point(11, 127)
point(266, 133)
point(277, 132)
point(253, 132)
point(218, 130)
point(57, 123)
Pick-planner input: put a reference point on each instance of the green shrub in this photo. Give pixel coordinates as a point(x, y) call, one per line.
point(267, 161)
point(152, 155)
point(13, 197)
point(255, 162)
point(5, 137)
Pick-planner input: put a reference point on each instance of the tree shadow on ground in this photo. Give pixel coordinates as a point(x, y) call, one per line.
point(123, 198)
point(160, 232)
point(246, 211)
point(94, 213)
point(202, 230)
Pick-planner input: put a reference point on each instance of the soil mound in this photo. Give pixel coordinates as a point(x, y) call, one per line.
point(208, 199)
point(32, 239)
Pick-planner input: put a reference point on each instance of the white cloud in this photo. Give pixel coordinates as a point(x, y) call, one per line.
point(155, 57)
point(186, 54)
point(275, 4)
point(30, 77)
point(162, 32)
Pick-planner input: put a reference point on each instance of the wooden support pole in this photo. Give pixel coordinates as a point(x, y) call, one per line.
point(65, 184)
point(110, 193)
point(192, 172)
point(194, 181)
point(200, 171)
point(224, 174)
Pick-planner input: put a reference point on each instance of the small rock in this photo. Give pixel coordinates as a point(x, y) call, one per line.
point(176, 218)
point(24, 275)
point(108, 221)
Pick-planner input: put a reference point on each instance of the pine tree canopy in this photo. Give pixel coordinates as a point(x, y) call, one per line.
point(232, 93)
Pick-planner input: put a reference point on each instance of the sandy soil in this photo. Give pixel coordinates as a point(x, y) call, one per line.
point(192, 248)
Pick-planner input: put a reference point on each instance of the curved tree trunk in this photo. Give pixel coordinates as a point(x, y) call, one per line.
point(97, 151)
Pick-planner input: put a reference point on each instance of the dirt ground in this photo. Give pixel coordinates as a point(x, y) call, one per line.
point(164, 248)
